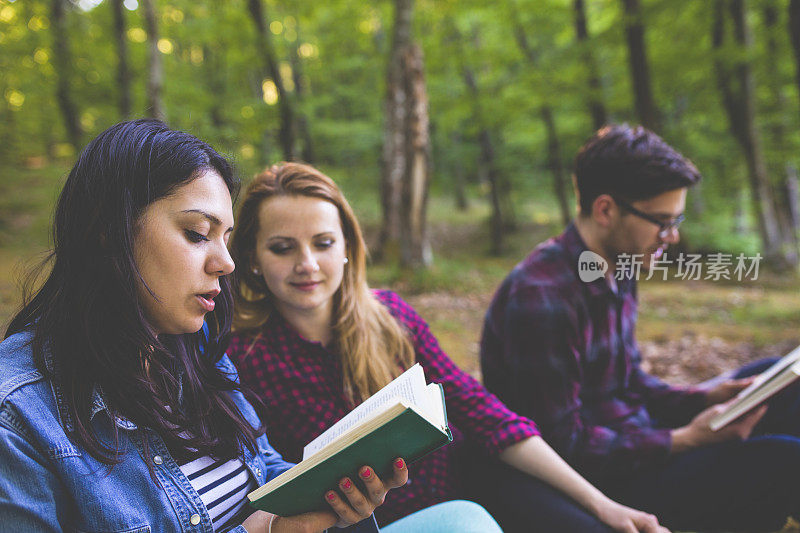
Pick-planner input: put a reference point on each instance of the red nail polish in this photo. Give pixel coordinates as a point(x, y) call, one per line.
point(366, 473)
point(399, 464)
point(330, 495)
point(347, 484)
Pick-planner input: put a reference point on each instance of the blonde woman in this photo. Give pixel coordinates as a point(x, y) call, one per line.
point(314, 341)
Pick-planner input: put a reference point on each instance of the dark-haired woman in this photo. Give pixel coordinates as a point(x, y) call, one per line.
point(117, 413)
point(314, 341)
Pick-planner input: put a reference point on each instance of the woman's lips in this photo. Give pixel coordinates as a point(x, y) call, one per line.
point(305, 285)
point(206, 302)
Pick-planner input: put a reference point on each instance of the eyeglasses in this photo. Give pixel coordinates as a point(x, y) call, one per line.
point(664, 227)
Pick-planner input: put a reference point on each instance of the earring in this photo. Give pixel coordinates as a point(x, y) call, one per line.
point(346, 261)
point(256, 271)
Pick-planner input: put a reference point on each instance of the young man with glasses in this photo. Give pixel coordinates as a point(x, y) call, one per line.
point(563, 352)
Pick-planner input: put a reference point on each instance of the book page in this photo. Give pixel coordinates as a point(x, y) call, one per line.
point(435, 411)
point(771, 372)
point(408, 386)
point(769, 382)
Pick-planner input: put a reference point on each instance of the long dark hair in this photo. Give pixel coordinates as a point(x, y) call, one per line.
point(88, 326)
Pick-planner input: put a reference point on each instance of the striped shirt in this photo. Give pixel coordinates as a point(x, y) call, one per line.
point(223, 487)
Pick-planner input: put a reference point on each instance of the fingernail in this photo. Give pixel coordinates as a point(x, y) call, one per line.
point(330, 495)
point(399, 464)
point(366, 473)
point(347, 484)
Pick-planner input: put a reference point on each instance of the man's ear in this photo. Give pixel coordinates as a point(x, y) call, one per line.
point(605, 210)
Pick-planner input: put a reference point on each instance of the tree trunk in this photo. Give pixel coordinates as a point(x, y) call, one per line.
point(459, 179)
point(640, 74)
point(793, 201)
point(736, 85)
point(394, 146)
point(554, 160)
point(555, 163)
point(415, 248)
point(62, 61)
point(285, 105)
point(596, 107)
point(155, 67)
point(307, 152)
point(793, 194)
point(740, 225)
point(123, 71)
point(778, 134)
point(794, 34)
point(214, 68)
point(488, 167)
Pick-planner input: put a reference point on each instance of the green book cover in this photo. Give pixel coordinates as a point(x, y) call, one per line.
point(405, 434)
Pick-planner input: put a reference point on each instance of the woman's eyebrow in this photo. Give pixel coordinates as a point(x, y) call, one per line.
point(213, 219)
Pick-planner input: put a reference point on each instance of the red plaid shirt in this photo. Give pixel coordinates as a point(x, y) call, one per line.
point(301, 383)
point(564, 352)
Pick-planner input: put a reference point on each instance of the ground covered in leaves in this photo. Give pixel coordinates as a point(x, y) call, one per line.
point(691, 356)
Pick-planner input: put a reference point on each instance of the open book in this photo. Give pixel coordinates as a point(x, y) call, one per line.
point(775, 378)
point(406, 418)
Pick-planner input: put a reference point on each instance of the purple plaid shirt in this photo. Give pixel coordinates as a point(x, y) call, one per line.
point(564, 353)
point(301, 383)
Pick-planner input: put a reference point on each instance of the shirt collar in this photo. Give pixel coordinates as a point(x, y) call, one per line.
point(573, 244)
point(98, 404)
point(277, 324)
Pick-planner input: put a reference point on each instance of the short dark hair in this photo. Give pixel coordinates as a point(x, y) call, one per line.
point(87, 315)
point(631, 163)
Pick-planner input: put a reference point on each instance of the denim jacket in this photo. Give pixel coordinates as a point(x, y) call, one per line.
point(49, 484)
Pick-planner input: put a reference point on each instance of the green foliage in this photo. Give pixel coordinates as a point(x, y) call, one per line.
point(216, 86)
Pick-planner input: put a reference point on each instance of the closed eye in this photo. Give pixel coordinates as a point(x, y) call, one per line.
point(193, 236)
point(280, 249)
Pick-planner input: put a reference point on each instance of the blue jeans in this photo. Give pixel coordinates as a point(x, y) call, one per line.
point(750, 485)
point(522, 503)
point(457, 515)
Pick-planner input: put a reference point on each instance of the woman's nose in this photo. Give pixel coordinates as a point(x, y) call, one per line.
point(306, 263)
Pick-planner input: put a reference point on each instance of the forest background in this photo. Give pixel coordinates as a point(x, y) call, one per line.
point(473, 109)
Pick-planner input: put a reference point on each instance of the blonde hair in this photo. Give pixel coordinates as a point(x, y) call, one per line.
point(373, 346)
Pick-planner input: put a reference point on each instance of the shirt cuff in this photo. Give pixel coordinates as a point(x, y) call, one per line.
point(509, 435)
point(661, 443)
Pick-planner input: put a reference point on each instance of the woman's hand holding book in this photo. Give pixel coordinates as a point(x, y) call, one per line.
point(356, 505)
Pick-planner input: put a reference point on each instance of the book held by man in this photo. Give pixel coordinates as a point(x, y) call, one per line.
point(406, 418)
point(777, 377)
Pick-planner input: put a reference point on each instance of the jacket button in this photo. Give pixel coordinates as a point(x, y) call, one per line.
point(195, 519)
point(158, 460)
